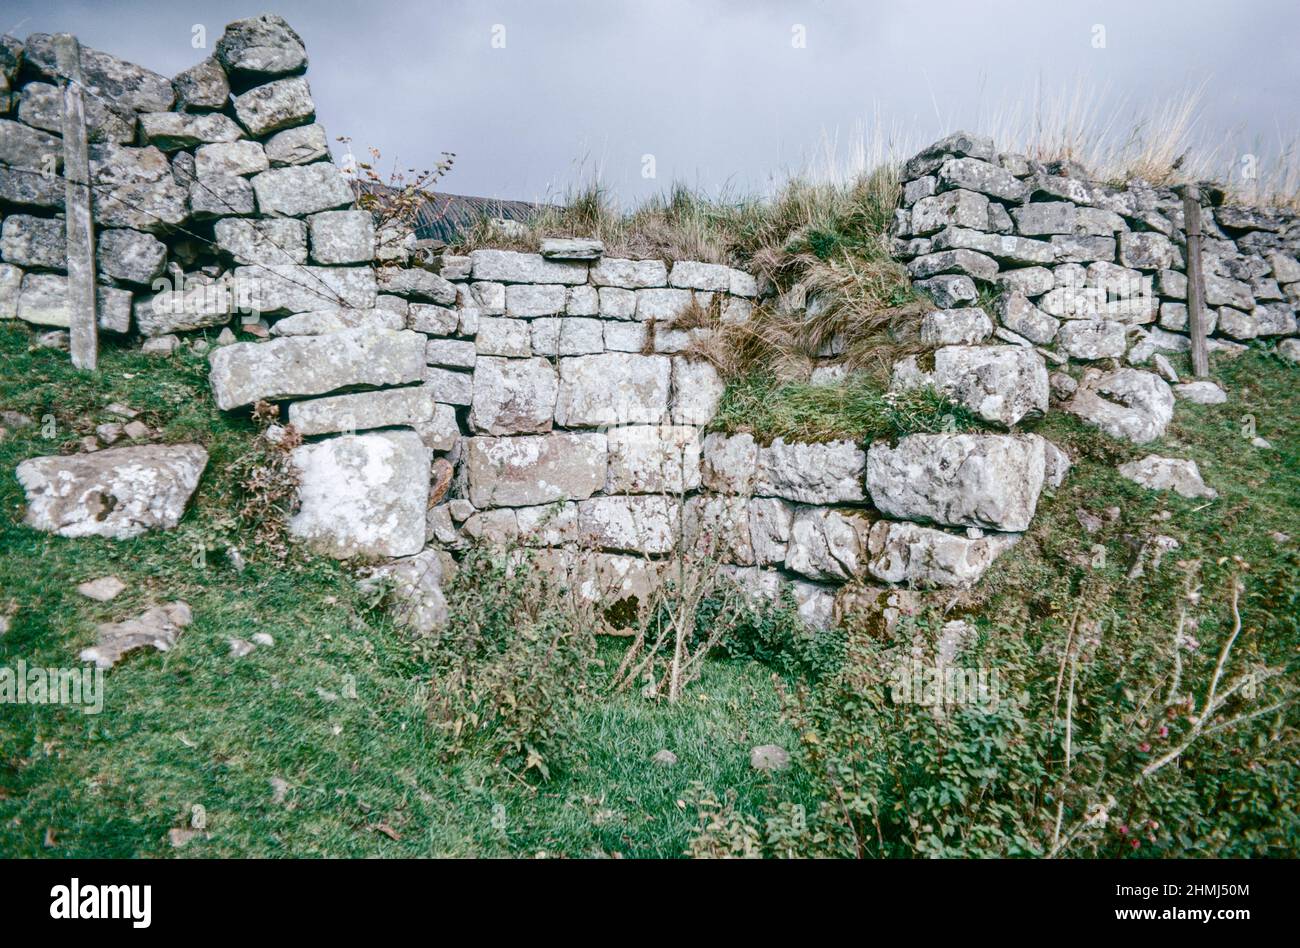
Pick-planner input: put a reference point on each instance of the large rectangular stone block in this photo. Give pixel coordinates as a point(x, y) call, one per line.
point(615, 388)
point(528, 470)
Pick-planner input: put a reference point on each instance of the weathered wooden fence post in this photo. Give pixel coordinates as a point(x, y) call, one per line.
point(83, 327)
point(1195, 281)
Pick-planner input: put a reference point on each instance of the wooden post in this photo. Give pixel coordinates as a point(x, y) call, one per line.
point(1195, 281)
point(82, 325)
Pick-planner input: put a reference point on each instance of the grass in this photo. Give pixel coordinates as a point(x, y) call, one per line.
point(197, 728)
point(855, 408)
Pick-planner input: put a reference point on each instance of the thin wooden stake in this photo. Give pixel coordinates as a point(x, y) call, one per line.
point(82, 325)
point(1195, 281)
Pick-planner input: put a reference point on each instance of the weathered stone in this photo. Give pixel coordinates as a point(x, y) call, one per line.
point(129, 255)
point(981, 176)
point(272, 241)
point(964, 480)
point(117, 493)
point(202, 86)
point(1024, 318)
point(653, 459)
point(171, 131)
point(297, 146)
point(103, 589)
point(450, 386)
point(581, 300)
point(230, 158)
point(413, 407)
point(221, 196)
point(1289, 349)
point(415, 589)
point(626, 337)
point(126, 85)
point(28, 241)
point(40, 105)
point(729, 464)
point(690, 274)
point(1018, 251)
point(302, 190)
point(31, 150)
point(513, 396)
point(43, 301)
point(571, 248)
point(1056, 464)
point(1127, 404)
point(925, 557)
point(945, 327)
point(1002, 384)
point(508, 266)
point(1201, 393)
point(828, 545)
point(509, 338)
point(967, 262)
point(1285, 267)
point(1092, 339)
point(161, 345)
point(922, 187)
point(1072, 249)
point(644, 524)
point(1045, 218)
point(158, 627)
point(277, 105)
point(1271, 319)
point(261, 46)
point(298, 366)
point(525, 300)
point(435, 320)
point(198, 302)
point(948, 291)
point(827, 473)
point(1225, 291)
point(697, 391)
point(613, 388)
point(534, 469)
point(1147, 251)
point(770, 521)
point(1157, 473)
point(663, 304)
point(452, 353)
point(958, 208)
point(11, 281)
point(340, 237)
point(956, 145)
point(284, 288)
point(361, 495)
point(414, 283)
point(628, 274)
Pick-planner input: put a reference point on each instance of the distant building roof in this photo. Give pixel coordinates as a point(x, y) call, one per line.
point(444, 217)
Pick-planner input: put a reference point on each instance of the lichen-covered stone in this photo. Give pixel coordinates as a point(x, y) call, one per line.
point(362, 495)
point(534, 469)
point(117, 493)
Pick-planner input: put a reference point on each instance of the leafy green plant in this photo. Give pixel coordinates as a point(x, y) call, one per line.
point(511, 670)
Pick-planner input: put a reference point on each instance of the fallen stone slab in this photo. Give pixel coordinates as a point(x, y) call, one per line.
point(117, 493)
point(925, 557)
point(415, 593)
point(157, 627)
point(299, 366)
point(363, 495)
point(989, 481)
point(1128, 404)
point(1201, 393)
point(1159, 473)
point(104, 589)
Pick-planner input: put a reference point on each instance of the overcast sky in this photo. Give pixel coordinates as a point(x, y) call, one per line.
point(729, 94)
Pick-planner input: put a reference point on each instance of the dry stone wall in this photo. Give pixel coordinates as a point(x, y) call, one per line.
point(550, 400)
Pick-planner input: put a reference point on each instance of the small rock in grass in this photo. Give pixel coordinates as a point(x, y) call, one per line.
point(665, 758)
point(769, 757)
point(240, 647)
point(136, 430)
point(109, 432)
point(1202, 393)
point(262, 638)
point(104, 589)
point(157, 627)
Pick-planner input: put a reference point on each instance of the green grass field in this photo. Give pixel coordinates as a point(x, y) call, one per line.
point(361, 776)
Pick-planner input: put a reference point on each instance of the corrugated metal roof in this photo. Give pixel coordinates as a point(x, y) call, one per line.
point(446, 216)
